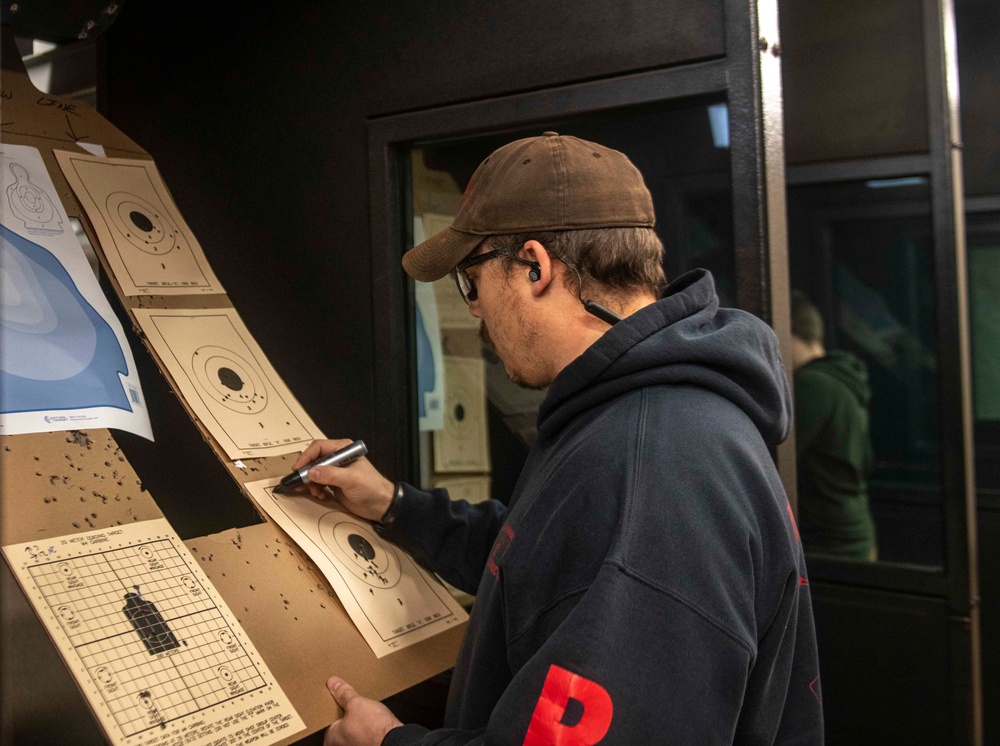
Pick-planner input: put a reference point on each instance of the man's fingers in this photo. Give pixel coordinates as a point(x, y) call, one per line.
point(319, 448)
point(328, 475)
point(311, 453)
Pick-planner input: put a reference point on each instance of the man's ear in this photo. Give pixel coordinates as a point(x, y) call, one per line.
point(540, 273)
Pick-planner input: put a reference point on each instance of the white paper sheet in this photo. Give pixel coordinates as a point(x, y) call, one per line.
point(160, 658)
point(65, 363)
point(392, 601)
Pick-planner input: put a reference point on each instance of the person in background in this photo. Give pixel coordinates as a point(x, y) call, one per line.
point(831, 441)
point(645, 583)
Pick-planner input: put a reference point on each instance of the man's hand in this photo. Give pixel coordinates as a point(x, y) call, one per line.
point(365, 721)
point(359, 486)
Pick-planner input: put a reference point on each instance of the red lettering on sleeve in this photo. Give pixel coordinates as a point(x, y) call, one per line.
point(560, 687)
point(791, 517)
point(504, 538)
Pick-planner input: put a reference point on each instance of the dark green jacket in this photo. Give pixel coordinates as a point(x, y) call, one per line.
point(834, 455)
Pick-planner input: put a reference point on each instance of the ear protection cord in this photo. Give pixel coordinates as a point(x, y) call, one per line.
point(590, 306)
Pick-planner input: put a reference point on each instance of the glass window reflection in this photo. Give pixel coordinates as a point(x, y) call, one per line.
point(862, 251)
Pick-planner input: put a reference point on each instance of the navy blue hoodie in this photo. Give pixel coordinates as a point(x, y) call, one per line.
point(646, 584)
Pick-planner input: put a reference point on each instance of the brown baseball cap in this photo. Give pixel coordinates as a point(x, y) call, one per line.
point(549, 183)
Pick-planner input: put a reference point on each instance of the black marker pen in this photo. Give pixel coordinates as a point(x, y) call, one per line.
point(343, 457)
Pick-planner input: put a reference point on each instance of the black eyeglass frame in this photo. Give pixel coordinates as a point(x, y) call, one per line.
point(466, 286)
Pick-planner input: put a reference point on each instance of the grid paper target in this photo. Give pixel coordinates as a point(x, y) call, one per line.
point(148, 632)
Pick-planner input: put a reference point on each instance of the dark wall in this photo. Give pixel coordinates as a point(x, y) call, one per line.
point(258, 125)
point(976, 23)
point(853, 79)
point(878, 681)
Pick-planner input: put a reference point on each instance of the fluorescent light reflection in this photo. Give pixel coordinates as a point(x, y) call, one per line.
point(718, 120)
point(900, 182)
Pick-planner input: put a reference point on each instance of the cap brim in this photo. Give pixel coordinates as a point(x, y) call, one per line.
point(438, 255)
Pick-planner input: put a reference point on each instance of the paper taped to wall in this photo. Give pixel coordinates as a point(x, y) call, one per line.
point(228, 382)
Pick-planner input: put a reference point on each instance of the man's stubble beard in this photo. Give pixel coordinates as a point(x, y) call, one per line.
point(513, 375)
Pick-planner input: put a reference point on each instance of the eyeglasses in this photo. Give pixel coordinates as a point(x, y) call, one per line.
point(465, 284)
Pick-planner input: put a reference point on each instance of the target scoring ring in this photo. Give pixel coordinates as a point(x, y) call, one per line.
point(360, 550)
point(229, 379)
point(142, 225)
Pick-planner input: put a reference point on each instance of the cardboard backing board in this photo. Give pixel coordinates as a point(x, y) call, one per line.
point(61, 483)
point(290, 612)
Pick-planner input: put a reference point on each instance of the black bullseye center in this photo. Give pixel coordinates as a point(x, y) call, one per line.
point(140, 221)
point(230, 379)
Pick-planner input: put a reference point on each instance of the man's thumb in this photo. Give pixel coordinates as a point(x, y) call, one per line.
point(342, 692)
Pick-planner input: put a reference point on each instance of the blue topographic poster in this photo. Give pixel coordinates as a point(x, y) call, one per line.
point(65, 363)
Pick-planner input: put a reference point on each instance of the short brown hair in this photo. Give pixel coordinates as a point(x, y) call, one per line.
point(807, 322)
point(618, 260)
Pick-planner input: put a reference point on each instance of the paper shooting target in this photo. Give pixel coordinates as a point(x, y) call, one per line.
point(32, 204)
point(142, 225)
point(229, 379)
point(47, 333)
point(459, 417)
point(57, 351)
point(462, 444)
point(359, 550)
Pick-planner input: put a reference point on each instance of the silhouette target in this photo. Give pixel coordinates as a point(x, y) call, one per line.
point(32, 204)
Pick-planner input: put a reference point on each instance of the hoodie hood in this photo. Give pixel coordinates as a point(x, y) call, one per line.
point(847, 368)
point(683, 338)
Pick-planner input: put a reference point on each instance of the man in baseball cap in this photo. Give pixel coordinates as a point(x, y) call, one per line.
point(567, 210)
point(645, 582)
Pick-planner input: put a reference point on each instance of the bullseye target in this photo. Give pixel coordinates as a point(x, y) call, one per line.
point(360, 550)
point(459, 414)
point(462, 444)
point(229, 379)
point(144, 226)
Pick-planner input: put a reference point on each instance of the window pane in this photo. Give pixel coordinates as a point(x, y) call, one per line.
point(862, 252)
